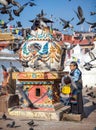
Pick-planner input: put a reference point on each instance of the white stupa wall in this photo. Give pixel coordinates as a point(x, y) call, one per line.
point(89, 77)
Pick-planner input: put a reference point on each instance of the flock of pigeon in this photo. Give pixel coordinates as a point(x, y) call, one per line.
point(7, 7)
point(12, 124)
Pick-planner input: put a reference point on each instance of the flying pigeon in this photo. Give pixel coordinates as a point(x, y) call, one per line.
point(92, 13)
point(4, 2)
point(32, 4)
point(93, 25)
point(80, 15)
point(18, 11)
point(10, 16)
point(3, 26)
point(19, 24)
point(3, 67)
point(13, 67)
point(80, 37)
point(40, 15)
point(4, 9)
point(40, 21)
point(66, 23)
point(13, 2)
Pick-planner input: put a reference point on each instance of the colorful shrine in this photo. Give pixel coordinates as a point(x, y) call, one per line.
point(41, 57)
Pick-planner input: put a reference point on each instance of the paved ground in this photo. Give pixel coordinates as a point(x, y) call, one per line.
point(87, 123)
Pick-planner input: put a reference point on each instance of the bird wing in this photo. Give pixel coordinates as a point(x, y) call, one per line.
point(63, 20)
point(90, 23)
point(80, 12)
point(15, 3)
point(47, 20)
point(3, 67)
point(71, 19)
point(77, 14)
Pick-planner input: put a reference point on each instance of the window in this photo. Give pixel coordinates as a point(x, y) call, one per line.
point(38, 92)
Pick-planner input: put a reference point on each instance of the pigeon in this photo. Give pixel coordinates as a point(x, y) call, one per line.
point(40, 21)
point(92, 56)
point(92, 95)
point(3, 67)
point(93, 25)
point(13, 2)
point(93, 103)
point(89, 38)
point(4, 9)
point(80, 37)
point(19, 24)
point(4, 117)
point(88, 66)
point(10, 16)
point(91, 88)
point(41, 15)
point(3, 26)
point(7, 2)
point(4, 2)
point(11, 125)
point(80, 15)
point(14, 68)
point(66, 23)
point(18, 11)
point(32, 4)
point(92, 13)
point(31, 123)
point(31, 128)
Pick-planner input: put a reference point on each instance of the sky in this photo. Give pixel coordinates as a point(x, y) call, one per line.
point(58, 9)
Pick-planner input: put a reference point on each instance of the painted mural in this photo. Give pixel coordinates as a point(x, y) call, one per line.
point(40, 52)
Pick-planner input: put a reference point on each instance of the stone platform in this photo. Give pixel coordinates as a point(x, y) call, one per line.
point(39, 114)
point(72, 117)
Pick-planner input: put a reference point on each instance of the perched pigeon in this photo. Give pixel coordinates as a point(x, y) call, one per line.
point(93, 103)
point(31, 128)
point(11, 125)
point(4, 117)
point(31, 123)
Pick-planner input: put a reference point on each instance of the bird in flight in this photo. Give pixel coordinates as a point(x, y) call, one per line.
point(80, 15)
point(66, 23)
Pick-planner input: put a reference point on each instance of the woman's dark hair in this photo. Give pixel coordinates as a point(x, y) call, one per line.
point(74, 63)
